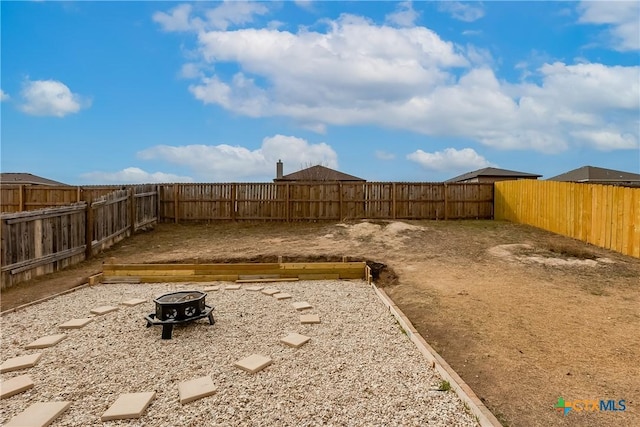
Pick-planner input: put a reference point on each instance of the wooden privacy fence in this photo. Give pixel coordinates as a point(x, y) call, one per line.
point(83, 221)
point(45, 240)
point(18, 198)
point(603, 215)
point(324, 201)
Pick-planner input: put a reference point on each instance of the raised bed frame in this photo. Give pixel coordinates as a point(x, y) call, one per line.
point(242, 272)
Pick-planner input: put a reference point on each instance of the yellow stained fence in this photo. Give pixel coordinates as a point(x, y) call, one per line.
point(603, 215)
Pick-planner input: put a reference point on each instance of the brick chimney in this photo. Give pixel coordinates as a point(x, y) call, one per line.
point(279, 169)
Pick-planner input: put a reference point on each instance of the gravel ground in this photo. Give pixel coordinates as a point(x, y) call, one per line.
point(359, 369)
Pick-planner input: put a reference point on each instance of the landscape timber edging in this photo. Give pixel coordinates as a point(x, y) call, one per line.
point(47, 298)
point(462, 389)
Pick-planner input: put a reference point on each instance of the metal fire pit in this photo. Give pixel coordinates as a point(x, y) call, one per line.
point(179, 307)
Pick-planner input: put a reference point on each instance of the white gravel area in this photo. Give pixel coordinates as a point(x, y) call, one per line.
point(358, 369)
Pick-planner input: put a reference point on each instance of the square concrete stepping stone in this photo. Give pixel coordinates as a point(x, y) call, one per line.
point(128, 405)
point(44, 342)
point(212, 288)
point(22, 362)
point(196, 389)
point(253, 363)
point(15, 385)
point(308, 319)
point(255, 288)
point(232, 287)
point(270, 291)
point(302, 305)
point(39, 414)
point(76, 323)
point(282, 295)
point(295, 340)
point(103, 310)
point(133, 302)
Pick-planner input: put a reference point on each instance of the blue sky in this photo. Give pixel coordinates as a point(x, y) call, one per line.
point(128, 92)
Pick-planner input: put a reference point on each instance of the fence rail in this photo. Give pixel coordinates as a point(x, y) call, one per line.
point(324, 201)
point(19, 198)
point(37, 242)
point(603, 215)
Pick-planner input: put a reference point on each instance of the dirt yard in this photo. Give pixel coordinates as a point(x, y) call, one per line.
point(523, 315)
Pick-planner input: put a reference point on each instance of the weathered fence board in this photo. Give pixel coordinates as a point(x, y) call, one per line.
point(145, 205)
point(19, 198)
point(304, 201)
point(603, 215)
point(42, 243)
point(37, 242)
point(111, 219)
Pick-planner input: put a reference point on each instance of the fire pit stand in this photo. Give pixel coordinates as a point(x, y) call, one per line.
point(179, 307)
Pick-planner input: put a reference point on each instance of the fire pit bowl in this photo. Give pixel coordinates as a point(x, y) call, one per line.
point(180, 305)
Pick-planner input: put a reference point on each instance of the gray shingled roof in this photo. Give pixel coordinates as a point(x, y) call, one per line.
point(490, 172)
point(26, 178)
point(318, 173)
point(592, 173)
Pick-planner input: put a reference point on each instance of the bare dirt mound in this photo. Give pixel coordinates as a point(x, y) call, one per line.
point(528, 254)
point(391, 234)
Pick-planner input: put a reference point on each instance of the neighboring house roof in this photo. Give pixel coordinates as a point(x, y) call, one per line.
point(26, 178)
point(592, 173)
point(492, 172)
point(318, 173)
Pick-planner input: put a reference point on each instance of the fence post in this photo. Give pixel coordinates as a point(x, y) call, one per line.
point(494, 203)
point(21, 198)
point(340, 200)
point(158, 205)
point(234, 196)
point(393, 201)
point(88, 232)
point(446, 202)
point(288, 209)
point(132, 209)
point(176, 211)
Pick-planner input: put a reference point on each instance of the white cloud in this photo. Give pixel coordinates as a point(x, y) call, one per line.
point(622, 18)
point(354, 64)
point(450, 159)
point(275, 24)
point(133, 175)
point(590, 86)
point(227, 14)
point(228, 163)
point(463, 11)
point(191, 71)
point(50, 98)
point(242, 96)
point(360, 73)
point(4, 96)
point(384, 155)
point(478, 56)
point(319, 128)
point(606, 140)
point(178, 19)
point(305, 4)
point(404, 16)
point(234, 13)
